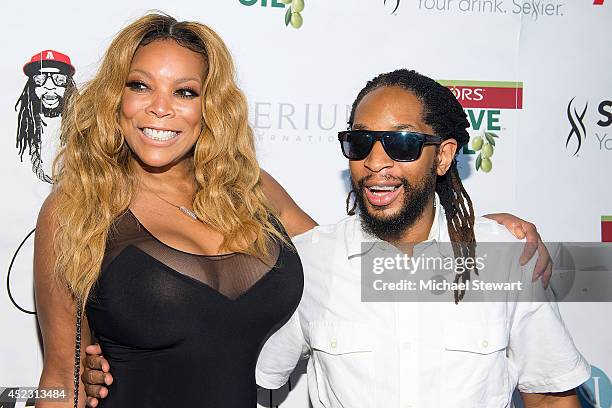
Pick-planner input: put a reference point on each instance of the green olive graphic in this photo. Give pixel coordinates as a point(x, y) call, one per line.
point(486, 165)
point(487, 151)
point(296, 20)
point(297, 6)
point(477, 143)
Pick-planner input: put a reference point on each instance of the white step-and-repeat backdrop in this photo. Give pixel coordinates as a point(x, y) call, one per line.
point(536, 73)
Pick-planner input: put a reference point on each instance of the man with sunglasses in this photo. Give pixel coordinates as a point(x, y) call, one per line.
point(49, 86)
point(405, 132)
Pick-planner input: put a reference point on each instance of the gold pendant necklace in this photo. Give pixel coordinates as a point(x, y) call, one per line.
point(181, 208)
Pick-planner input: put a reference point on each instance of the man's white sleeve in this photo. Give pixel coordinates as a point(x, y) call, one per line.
point(280, 354)
point(541, 349)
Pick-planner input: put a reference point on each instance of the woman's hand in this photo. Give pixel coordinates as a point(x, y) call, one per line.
point(524, 229)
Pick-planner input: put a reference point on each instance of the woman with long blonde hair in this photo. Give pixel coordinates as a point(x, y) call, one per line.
point(162, 235)
point(160, 226)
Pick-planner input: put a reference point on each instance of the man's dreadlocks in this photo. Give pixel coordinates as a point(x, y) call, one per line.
point(445, 115)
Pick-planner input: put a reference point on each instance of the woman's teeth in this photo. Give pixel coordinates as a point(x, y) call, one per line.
point(159, 134)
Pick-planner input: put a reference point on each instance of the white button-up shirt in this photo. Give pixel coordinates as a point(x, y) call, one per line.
point(414, 354)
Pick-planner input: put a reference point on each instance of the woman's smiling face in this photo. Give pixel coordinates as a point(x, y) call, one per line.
point(161, 106)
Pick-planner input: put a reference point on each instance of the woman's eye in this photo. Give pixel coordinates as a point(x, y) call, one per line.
point(136, 85)
point(187, 93)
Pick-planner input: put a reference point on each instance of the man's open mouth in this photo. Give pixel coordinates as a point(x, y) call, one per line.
point(382, 194)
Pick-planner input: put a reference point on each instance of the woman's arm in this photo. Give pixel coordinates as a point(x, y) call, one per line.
point(294, 219)
point(567, 399)
point(525, 229)
point(56, 311)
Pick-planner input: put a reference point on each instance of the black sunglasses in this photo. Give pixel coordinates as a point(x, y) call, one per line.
point(402, 146)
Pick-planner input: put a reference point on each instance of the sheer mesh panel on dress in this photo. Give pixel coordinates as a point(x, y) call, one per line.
point(231, 274)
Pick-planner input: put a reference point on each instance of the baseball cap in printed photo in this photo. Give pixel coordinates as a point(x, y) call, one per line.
point(48, 58)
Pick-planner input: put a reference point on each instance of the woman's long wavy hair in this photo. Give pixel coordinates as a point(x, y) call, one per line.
point(93, 180)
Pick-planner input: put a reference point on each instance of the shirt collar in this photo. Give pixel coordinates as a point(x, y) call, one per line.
point(356, 235)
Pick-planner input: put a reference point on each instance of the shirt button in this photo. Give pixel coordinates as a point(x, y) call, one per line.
point(485, 344)
point(333, 343)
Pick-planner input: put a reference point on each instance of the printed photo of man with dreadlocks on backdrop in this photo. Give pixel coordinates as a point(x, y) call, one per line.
point(49, 87)
point(405, 130)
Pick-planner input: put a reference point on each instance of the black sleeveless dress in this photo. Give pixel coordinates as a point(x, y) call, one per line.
point(185, 330)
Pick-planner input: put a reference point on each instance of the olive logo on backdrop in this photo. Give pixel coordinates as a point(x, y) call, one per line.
point(293, 14)
point(49, 86)
point(294, 8)
point(484, 103)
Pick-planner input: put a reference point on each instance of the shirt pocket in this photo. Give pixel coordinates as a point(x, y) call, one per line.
point(343, 363)
point(475, 365)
